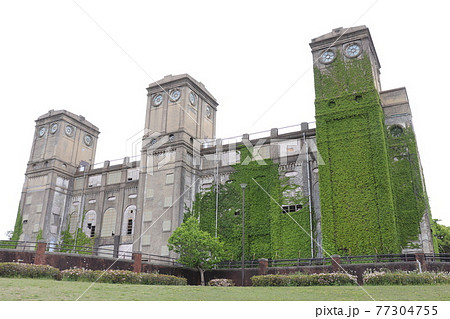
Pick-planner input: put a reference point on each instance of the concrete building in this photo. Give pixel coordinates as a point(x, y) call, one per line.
point(137, 203)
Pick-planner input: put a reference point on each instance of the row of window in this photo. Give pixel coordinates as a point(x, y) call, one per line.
point(108, 222)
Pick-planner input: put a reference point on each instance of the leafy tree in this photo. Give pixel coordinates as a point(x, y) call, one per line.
point(442, 234)
point(197, 248)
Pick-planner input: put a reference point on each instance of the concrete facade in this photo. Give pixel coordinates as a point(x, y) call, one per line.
point(136, 204)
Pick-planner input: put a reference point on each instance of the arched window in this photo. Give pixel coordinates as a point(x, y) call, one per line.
point(89, 223)
point(109, 223)
point(128, 220)
point(73, 222)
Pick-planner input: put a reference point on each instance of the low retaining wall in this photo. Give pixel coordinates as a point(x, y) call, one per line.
point(64, 261)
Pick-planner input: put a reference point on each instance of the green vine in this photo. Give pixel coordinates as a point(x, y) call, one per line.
point(269, 233)
point(355, 189)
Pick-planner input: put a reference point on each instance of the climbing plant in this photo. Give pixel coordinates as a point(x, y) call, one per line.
point(357, 206)
point(269, 233)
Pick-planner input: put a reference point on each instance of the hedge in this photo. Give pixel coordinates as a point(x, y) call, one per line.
point(405, 278)
point(28, 271)
point(323, 279)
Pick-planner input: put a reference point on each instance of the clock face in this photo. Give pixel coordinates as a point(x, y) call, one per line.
point(157, 100)
point(353, 50)
point(88, 140)
point(208, 112)
point(193, 98)
point(327, 57)
point(41, 131)
point(171, 138)
point(69, 130)
point(175, 95)
point(54, 128)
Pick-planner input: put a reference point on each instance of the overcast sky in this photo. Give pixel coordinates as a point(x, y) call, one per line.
point(96, 58)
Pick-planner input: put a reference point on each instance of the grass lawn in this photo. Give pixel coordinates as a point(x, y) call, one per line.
point(45, 289)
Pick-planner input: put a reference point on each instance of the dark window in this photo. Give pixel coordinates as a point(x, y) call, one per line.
point(291, 208)
point(25, 221)
point(130, 227)
point(92, 231)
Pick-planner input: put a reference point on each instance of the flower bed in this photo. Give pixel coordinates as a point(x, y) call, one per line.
point(121, 276)
point(323, 279)
point(405, 278)
point(28, 271)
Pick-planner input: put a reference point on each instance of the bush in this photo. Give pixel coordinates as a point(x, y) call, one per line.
point(221, 283)
point(29, 271)
point(405, 278)
point(323, 279)
point(121, 277)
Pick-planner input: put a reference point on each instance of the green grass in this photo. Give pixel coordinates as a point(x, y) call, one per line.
point(44, 289)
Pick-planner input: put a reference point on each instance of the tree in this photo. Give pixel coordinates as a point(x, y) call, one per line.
point(442, 234)
point(197, 248)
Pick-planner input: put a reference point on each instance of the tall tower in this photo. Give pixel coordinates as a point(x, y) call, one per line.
point(62, 140)
point(356, 198)
point(180, 113)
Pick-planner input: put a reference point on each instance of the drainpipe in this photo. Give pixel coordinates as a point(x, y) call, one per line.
point(309, 195)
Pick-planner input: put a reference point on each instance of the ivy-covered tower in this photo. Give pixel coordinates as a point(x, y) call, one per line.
point(372, 192)
point(356, 198)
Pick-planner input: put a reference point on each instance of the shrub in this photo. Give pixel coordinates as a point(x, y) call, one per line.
point(121, 277)
point(323, 279)
point(221, 282)
point(28, 271)
point(405, 278)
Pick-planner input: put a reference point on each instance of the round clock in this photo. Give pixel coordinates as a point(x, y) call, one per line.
point(88, 140)
point(327, 57)
point(54, 128)
point(153, 141)
point(69, 130)
point(171, 138)
point(193, 98)
point(208, 112)
point(41, 131)
point(157, 100)
point(353, 50)
point(175, 95)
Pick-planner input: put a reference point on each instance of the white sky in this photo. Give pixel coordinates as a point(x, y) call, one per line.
point(248, 54)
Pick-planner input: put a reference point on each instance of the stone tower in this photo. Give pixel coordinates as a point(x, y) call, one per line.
point(61, 142)
point(356, 198)
point(180, 114)
point(372, 190)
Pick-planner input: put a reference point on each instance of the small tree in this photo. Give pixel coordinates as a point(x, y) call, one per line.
point(442, 234)
point(197, 248)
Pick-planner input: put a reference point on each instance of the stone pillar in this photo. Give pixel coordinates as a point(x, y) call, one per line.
point(137, 264)
point(420, 257)
point(39, 258)
point(263, 264)
point(304, 126)
point(336, 263)
point(116, 246)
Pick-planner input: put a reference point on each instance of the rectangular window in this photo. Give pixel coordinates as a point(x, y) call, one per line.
point(130, 226)
point(113, 178)
point(92, 231)
point(169, 178)
point(291, 208)
point(95, 181)
point(133, 174)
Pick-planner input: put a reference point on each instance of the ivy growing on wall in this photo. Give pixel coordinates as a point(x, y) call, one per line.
point(410, 198)
point(355, 189)
point(269, 233)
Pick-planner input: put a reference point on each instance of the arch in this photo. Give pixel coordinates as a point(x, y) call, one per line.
point(89, 223)
point(109, 223)
point(128, 220)
point(73, 222)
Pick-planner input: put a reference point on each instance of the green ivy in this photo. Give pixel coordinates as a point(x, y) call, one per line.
point(355, 189)
point(269, 233)
point(18, 227)
point(410, 198)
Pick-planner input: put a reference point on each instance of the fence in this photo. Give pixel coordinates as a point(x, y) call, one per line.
point(170, 261)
